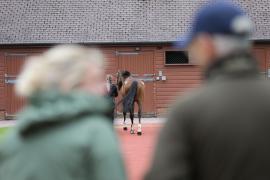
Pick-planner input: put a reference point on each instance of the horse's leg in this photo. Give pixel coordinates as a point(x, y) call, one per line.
point(117, 104)
point(132, 131)
point(124, 124)
point(139, 131)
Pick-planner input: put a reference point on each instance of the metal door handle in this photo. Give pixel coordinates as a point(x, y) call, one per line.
point(123, 53)
point(9, 79)
point(147, 75)
point(10, 76)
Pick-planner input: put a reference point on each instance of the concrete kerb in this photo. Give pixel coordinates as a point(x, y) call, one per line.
point(145, 122)
point(117, 122)
point(7, 123)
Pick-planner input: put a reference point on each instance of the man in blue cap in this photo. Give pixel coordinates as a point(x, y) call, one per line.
point(222, 130)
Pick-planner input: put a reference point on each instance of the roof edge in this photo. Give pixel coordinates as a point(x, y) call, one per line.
point(263, 41)
point(110, 43)
point(89, 43)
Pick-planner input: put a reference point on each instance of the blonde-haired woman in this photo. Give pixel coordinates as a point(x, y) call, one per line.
point(63, 133)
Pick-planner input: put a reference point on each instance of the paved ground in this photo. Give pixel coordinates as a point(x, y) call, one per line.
point(138, 150)
point(119, 121)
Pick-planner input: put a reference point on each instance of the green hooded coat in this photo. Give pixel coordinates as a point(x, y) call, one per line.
point(62, 137)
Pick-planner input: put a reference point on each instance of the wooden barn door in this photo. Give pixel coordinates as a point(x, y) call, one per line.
point(260, 55)
point(268, 63)
point(13, 65)
point(141, 65)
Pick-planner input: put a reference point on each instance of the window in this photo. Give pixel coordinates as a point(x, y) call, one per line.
point(176, 57)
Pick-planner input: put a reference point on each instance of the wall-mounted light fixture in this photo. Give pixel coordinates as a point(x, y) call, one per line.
point(161, 76)
point(137, 48)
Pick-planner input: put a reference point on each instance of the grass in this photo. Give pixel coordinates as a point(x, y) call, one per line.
point(3, 131)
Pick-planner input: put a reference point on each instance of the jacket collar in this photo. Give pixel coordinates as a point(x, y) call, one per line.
point(234, 66)
point(53, 108)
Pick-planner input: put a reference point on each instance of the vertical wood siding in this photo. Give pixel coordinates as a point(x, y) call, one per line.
point(2, 84)
point(180, 79)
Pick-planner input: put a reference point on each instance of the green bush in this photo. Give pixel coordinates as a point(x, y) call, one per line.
point(3, 131)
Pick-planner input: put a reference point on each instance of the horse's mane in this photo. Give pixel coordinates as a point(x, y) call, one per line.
point(126, 74)
point(120, 84)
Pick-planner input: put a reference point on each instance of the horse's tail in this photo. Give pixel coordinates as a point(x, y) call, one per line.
point(128, 101)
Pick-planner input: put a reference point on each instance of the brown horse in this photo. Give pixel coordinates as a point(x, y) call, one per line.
point(132, 91)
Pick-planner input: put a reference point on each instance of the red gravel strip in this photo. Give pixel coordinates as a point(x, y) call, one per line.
point(138, 150)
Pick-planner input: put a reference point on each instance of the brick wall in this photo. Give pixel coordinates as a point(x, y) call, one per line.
point(262, 54)
point(111, 60)
point(180, 79)
point(2, 84)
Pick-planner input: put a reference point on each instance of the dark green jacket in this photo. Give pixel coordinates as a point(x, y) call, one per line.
point(221, 131)
point(62, 137)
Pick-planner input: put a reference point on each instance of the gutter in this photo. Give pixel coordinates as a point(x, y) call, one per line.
point(123, 43)
point(89, 43)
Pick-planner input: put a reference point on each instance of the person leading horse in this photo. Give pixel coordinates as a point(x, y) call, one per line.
point(132, 90)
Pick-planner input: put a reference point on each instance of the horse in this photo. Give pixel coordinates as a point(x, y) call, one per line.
point(132, 91)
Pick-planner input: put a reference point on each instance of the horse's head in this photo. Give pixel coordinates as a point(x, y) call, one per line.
point(121, 77)
point(126, 74)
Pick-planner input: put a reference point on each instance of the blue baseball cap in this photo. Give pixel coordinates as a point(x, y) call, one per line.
point(221, 18)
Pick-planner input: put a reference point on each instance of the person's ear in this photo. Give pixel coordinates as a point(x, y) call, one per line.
point(206, 43)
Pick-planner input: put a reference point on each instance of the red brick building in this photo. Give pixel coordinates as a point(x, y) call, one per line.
point(135, 35)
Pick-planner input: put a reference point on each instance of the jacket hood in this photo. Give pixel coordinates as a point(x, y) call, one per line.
point(52, 108)
point(233, 66)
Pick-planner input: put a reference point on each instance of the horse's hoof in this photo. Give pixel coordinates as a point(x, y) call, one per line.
point(125, 128)
point(139, 133)
point(132, 132)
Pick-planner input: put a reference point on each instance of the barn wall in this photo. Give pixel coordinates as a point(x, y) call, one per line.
point(110, 67)
point(2, 84)
point(262, 54)
point(183, 78)
point(180, 78)
point(111, 60)
point(4, 91)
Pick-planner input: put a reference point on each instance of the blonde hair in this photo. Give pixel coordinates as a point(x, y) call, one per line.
point(63, 63)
